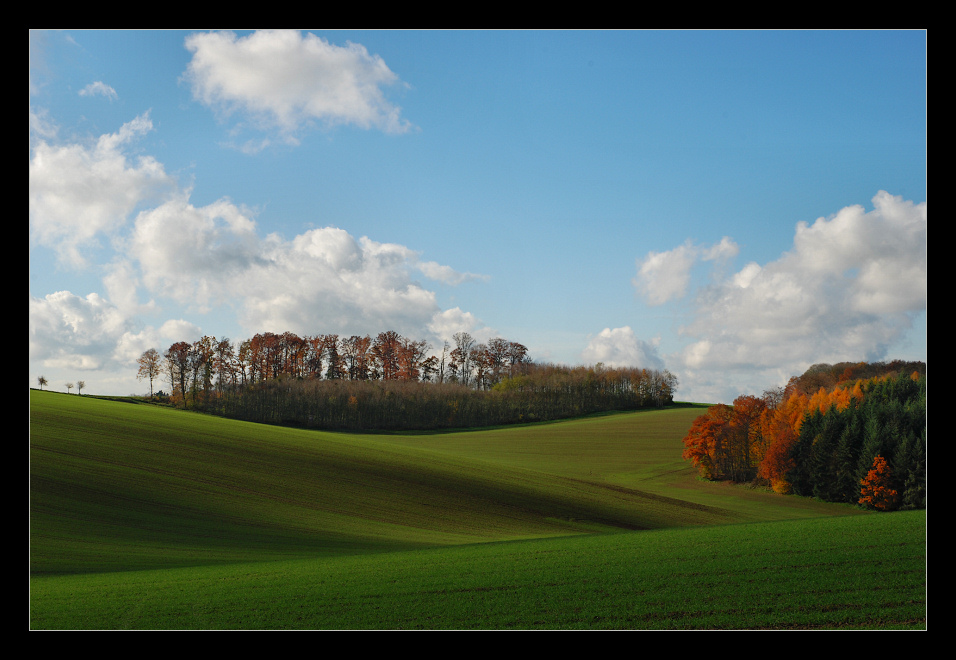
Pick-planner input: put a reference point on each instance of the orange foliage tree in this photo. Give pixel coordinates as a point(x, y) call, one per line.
point(776, 439)
point(875, 489)
point(703, 441)
point(782, 430)
point(727, 442)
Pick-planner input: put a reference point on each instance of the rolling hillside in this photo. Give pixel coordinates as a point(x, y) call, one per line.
point(152, 518)
point(116, 486)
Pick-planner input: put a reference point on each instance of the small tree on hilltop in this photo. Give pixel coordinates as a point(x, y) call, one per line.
point(149, 366)
point(69, 387)
point(42, 381)
point(876, 491)
point(80, 384)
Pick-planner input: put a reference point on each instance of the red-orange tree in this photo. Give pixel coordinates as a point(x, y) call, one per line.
point(703, 440)
point(875, 491)
point(728, 442)
point(781, 432)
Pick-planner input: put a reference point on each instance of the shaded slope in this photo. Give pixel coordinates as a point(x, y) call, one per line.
point(115, 486)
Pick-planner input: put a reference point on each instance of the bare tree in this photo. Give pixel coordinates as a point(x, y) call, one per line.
point(42, 381)
point(441, 362)
point(149, 365)
point(464, 343)
point(80, 384)
point(69, 387)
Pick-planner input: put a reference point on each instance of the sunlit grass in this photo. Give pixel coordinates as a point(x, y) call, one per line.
point(851, 572)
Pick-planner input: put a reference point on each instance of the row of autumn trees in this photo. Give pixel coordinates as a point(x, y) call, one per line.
point(390, 382)
point(852, 433)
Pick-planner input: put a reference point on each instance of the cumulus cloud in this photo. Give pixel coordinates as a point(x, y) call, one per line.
point(327, 279)
point(194, 255)
point(122, 288)
point(620, 347)
point(880, 256)
point(204, 256)
point(446, 323)
point(67, 331)
point(86, 333)
point(665, 276)
point(847, 290)
point(169, 251)
point(322, 280)
point(80, 192)
point(286, 80)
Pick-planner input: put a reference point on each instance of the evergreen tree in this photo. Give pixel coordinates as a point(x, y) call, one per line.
point(847, 455)
point(824, 468)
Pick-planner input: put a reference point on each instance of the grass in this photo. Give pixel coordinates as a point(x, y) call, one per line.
point(151, 518)
point(824, 573)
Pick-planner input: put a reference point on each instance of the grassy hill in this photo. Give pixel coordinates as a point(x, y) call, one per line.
point(211, 517)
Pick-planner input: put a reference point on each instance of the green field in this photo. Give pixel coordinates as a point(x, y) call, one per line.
point(143, 517)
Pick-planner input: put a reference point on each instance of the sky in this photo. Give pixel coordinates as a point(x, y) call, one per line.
point(732, 206)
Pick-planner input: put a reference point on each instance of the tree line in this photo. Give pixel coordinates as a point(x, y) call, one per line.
point(859, 438)
point(210, 366)
point(390, 382)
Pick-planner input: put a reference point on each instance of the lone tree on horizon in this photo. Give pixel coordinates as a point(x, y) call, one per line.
point(80, 384)
point(42, 381)
point(69, 386)
point(149, 365)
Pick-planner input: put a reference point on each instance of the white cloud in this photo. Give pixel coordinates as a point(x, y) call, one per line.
point(446, 274)
point(99, 88)
point(41, 125)
point(620, 347)
point(287, 80)
point(196, 256)
point(446, 323)
point(665, 276)
point(722, 251)
point(848, 290)
point(179, 330)
point(323, 280)
point(207, 259)
point(122, 284)
point(79, 192)
point(70, 332)
point(74, 337)
point(130, 345)
point(326, 281)
point(881, 255)
point(67, 331)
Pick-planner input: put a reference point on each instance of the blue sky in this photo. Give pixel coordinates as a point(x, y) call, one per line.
point(730, 206)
